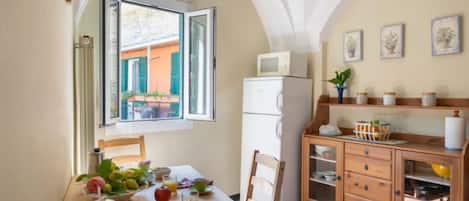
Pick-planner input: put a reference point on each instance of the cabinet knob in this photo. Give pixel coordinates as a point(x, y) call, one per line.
point(365, 187)
point(366, 166)
point(366, 152)
point(338, 178)
point(398, 192)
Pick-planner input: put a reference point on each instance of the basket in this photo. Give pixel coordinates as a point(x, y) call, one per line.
point(372, 131)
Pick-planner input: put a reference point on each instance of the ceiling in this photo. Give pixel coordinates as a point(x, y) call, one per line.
point(289, 24)
point(295, 24)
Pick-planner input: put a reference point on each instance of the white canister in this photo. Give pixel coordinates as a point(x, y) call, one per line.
point(455, 128)
point(389, 98)
point(362, 98)
point(429, 99)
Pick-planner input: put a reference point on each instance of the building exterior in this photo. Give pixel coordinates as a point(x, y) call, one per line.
point(150, 71)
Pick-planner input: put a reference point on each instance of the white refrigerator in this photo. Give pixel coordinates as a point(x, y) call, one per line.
point(275, 112)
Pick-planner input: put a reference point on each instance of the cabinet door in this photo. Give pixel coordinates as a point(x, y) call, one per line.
point(426, 177)
point(322, 170)
point(263, 96)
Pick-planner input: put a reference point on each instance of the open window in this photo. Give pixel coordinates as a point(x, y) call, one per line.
point(159, 64)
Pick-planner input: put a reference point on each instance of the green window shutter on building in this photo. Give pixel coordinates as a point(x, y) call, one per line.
point(124, 87)
point(175, 73)
point(142, 75)
point(124, 75)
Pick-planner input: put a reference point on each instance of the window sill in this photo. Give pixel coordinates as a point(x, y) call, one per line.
point(146, 127)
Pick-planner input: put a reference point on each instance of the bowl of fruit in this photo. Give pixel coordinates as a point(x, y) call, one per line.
point(111, 182)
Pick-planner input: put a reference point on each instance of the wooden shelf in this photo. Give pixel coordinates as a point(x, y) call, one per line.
point(322, 159)
point(406, 107)
point(401, 103)
point(428, 177)
point(411, 198)
point(322, 181)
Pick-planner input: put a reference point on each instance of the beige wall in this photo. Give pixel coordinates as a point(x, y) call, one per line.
point(36, 102)
point(417, 72)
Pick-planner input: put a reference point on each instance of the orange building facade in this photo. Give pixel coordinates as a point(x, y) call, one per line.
point(159, 65)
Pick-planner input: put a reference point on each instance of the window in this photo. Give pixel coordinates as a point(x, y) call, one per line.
point(158, 64)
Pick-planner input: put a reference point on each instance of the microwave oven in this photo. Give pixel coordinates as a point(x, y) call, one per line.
point(286, 63)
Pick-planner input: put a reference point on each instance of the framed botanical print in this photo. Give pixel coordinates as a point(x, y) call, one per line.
point(446, 35)
point(392, 41)
point(353, 46)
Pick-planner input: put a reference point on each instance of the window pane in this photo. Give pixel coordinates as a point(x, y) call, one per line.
point(111, 63)
point(197, 66)
point(150, 63)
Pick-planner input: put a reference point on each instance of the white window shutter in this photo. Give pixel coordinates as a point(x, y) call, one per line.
point(199, 65)
point(111, 55)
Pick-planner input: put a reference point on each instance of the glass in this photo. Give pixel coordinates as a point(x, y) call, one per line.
point(111, 41)
point(198, 62)
point(322, 183)
point(189, 195)
point(426, 181)
point(171, 183)
point(151, 63)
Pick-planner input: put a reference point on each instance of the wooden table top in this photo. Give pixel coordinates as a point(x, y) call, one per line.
point(75, 190)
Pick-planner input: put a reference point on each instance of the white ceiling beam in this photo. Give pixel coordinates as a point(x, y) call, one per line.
point(295, 24)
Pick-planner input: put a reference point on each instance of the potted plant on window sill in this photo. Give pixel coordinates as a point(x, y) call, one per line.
point(339, 81)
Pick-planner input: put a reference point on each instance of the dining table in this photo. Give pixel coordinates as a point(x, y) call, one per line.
point(76, 191)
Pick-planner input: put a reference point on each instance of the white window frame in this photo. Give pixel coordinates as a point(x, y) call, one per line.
point(107, 118)
point(210, 70)
point(185, 115)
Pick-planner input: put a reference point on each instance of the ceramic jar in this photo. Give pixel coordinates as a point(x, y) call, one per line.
point(429, 99)
point(362, 98)
point(389, 98)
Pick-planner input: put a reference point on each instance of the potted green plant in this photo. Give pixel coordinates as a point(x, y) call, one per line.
point(339, 81)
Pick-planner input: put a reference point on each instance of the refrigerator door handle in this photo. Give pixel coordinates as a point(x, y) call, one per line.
point(278, 125)
point(279, 101)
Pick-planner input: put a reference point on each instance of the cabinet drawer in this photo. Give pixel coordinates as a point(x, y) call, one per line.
point(368, 151)
point(351, 197)
point(367, 187)
point(367, 166)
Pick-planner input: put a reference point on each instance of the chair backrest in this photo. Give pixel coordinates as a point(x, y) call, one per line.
point(259, 182)
point(121, 142)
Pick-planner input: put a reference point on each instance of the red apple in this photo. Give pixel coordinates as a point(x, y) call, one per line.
point(93, 183)
point(162, 194)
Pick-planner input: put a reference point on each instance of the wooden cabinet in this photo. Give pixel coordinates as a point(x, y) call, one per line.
point(414, 174)
point(368, 171)
point(322, 170)
point(373, 172)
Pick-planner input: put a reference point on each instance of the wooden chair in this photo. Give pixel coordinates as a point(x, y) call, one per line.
point(274, 189)
point(120, 142)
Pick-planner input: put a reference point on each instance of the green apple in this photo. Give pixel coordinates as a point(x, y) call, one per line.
point(107, 188)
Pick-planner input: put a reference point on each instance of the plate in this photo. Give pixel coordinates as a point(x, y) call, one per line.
point(207, 191)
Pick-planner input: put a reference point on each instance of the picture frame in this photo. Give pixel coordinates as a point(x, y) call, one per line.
point(392, 41)
point(446, 34)
point(353, 46)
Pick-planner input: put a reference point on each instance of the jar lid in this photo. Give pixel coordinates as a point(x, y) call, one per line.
point(362, 94)
point(390, 93)
point(429, 93)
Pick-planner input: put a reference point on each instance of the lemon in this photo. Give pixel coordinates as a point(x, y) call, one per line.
point(132, 184)
point(116, 176)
